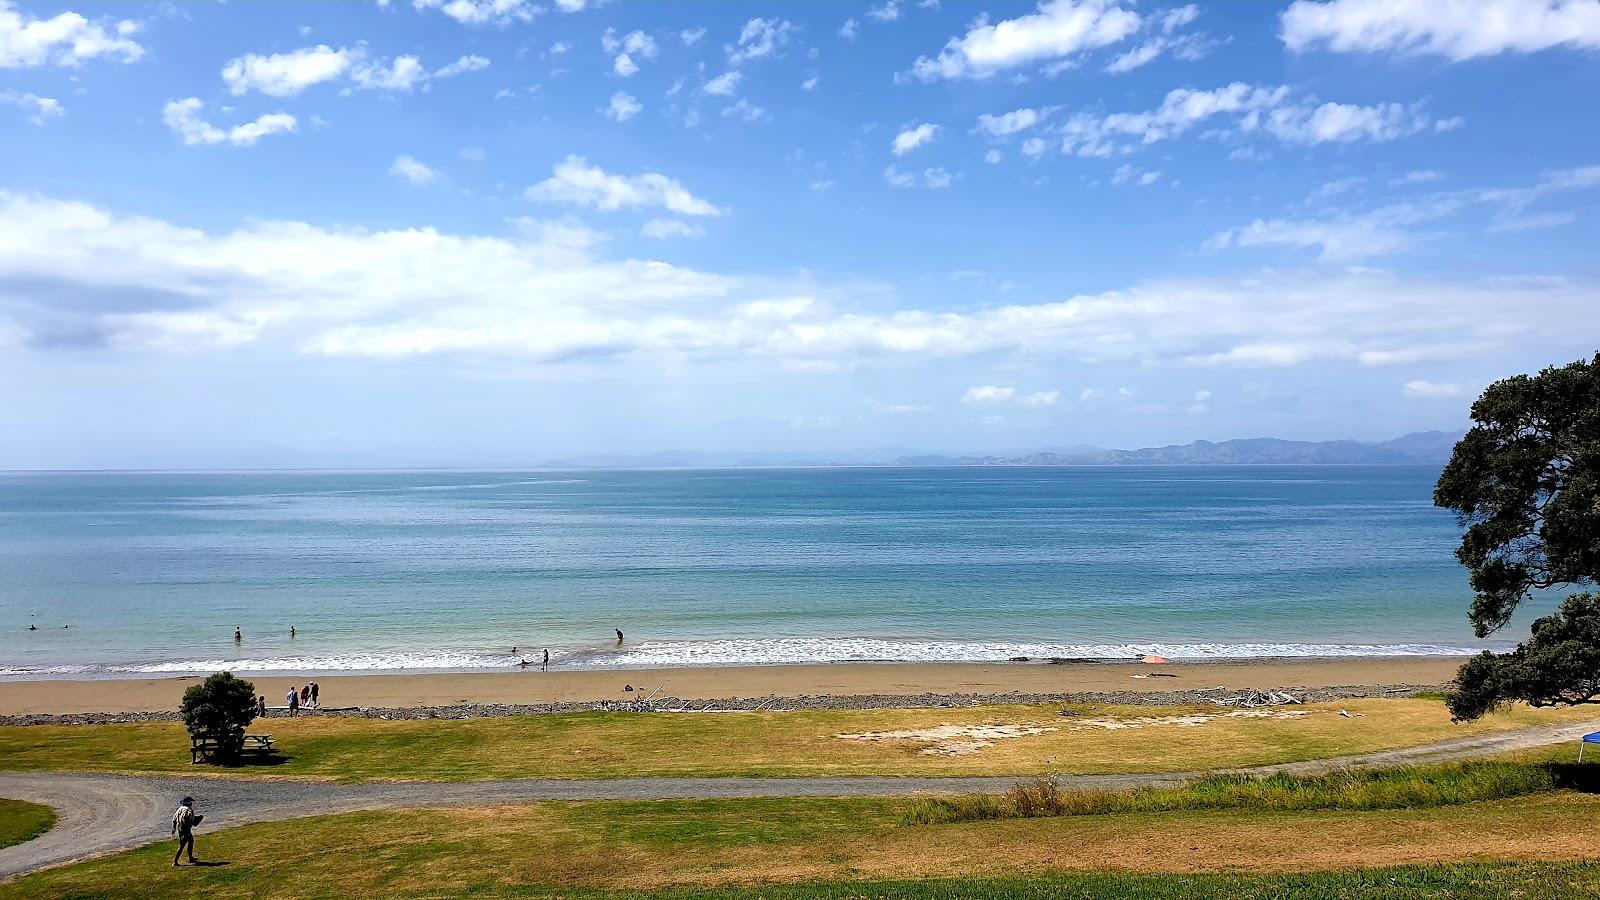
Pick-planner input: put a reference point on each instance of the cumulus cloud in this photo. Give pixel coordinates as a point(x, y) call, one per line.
point(724, 85)
point(691, 36)
point(575, 181)
point(66, 39)
point(933, 178)
point(1009, 123)
point(744, 110)
point(183, 118)
point(543, 295)
point(759, 38)
point(623, 107)
point(1057, 29)
point(491, 12)
point(287, 74)
point(1457, 31)
point(412, 170)
point(42, 108)
point(1042, 398)
point(912, 138)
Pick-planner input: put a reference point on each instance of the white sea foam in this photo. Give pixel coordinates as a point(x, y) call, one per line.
point(740, 652)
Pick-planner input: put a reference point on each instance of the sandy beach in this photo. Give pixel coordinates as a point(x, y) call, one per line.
point(533, 686)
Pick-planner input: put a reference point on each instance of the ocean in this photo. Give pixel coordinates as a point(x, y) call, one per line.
point(140, 574)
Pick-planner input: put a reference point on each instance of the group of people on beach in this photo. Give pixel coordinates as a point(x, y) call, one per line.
point(306, 696)
point(522, 661)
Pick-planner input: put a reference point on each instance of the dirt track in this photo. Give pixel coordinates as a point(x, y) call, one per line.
point(103, 813)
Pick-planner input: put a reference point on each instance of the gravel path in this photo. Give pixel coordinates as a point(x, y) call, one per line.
point(103, 813)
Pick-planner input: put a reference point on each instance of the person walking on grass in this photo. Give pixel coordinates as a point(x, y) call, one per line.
point(183, 822)
point(294, 702)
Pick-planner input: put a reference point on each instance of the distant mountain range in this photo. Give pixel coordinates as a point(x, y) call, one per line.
point(1423, 447)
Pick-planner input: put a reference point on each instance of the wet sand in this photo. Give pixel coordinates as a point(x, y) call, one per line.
point(532, 686)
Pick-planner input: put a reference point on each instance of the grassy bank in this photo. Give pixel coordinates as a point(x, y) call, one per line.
point(1404, 788)
point(826, 848)
point(20, 821)
point(808, 742)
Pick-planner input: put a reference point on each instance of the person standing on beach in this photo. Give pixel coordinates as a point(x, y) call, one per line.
point(314, 689)
point(546, 666)
point(183, 822)
point(294, 702)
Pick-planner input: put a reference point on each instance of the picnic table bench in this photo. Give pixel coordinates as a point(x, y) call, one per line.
point(204, 749)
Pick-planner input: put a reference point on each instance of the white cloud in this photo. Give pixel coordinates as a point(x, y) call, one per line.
point(759, 38)
point(1419, 176)
point(744, 110)
point(810, 84)
point(1334, 188)
point(1253, 109)
point(888, 12)
point(284, 74)
point(912, 138)
point(543, 296)
point(933, 178)
point(1008, 123)
point(691, 36)
point(183, 118)
point(936, 178)
point(575, 181)
point(849, 29)
point(469, 63)
point(724, 85)
point(66, 39)
point(559, 47)
point(988, 394)
point(623, 107)
point(402, 74)
point(1531, 222)
point(1035, 146)
point(1059, 29)
point(1042, 398)
point(1347, 236)
point(1432, 390)
point(624, 65)
point(668, 228)
point(490, 12)
point(993, 156)
point(1456, 30)
point(42, 107)
point(1126, 173)
point(412, 170)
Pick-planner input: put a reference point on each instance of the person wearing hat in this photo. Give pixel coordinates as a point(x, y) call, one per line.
point(183, 822)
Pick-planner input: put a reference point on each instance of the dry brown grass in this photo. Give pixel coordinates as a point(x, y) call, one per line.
point(785, 743)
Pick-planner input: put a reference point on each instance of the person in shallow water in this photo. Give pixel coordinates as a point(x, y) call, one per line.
point(237, 634)
point(619, 637)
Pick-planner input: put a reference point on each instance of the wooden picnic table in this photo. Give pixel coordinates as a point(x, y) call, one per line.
point(204, 749)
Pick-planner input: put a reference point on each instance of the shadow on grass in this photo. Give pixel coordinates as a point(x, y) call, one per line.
point(208, 864)
point(1572, 776)
point(251, 761)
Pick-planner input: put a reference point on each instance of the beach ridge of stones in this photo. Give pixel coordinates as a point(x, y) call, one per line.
point(757, 704)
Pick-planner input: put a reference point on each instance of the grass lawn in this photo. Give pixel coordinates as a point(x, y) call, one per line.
point(1541, 846)
point(21, 821)
point(613, 745)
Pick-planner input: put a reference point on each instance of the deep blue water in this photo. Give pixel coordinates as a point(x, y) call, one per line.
point(451, 569)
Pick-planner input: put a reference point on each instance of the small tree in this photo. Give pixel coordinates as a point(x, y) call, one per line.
point(219, 709)
point(1525, 481)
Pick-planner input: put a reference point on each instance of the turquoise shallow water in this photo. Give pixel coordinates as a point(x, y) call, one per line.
point(424, 570)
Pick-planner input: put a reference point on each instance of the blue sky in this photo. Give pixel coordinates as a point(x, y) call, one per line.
point(492, 232)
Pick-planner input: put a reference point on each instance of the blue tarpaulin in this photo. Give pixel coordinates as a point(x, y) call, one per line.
point(1592, 737)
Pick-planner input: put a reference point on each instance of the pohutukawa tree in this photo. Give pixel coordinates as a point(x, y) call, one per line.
point(219, 709)
point(1525, 482)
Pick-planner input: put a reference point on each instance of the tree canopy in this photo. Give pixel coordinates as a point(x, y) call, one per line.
point(219, 709)
point(1525, 483)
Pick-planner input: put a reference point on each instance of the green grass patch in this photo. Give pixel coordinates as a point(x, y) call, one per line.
point(797, 743)
point(21, 821)
point(1362, 789)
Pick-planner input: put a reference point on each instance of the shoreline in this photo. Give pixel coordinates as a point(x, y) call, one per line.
point(530, 688)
